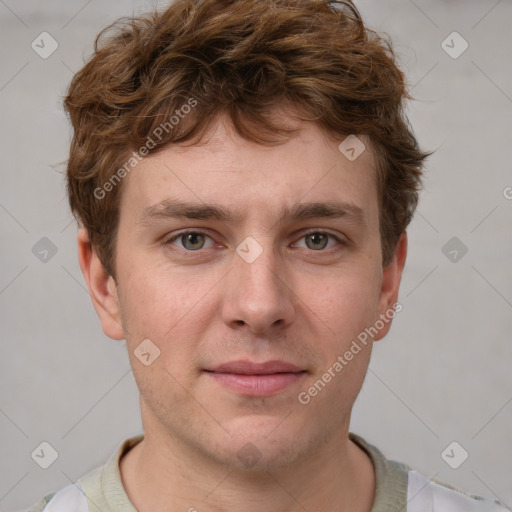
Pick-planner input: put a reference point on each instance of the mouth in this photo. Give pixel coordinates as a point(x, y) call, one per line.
point(256, 379)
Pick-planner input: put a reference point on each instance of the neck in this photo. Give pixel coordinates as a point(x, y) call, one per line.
point(164, 474)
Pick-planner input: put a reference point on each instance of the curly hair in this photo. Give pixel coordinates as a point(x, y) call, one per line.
point(243, 59)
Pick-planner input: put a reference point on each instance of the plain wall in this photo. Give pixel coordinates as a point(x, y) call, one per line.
point(441, 375)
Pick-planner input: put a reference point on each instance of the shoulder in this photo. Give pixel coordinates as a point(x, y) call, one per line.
point(39, 506)
point(69, 498)
point(97, 487)
point(430, 494)
point(401, 487)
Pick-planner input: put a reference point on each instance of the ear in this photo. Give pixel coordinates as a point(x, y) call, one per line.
point(391, 277)
point(102, 288)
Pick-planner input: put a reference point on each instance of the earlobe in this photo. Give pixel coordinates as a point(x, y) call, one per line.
point(102, 288)
point(391, 278)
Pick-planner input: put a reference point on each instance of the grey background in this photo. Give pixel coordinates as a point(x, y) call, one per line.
point(443, 373)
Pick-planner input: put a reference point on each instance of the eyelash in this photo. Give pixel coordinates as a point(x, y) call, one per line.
point(170, 241)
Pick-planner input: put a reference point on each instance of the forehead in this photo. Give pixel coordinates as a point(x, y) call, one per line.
point(251, 179)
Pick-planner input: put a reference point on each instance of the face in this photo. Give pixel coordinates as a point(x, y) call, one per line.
point(233, 252)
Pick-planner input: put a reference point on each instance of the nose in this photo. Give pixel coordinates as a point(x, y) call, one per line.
point(258, 295)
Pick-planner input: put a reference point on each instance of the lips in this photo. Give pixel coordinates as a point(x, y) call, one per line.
point(256, 379)
point(249, 368)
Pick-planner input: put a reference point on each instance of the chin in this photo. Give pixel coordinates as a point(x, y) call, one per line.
point(262, 445)
point(262, 457)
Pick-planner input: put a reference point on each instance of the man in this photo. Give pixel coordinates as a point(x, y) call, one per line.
point(243, 176)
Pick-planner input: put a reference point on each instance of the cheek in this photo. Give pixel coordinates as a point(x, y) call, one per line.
point(170, 309)
point(156, 301)
point(344, 310)
point(345, 302)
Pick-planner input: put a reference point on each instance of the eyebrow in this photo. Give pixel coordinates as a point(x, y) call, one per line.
point(177, 209)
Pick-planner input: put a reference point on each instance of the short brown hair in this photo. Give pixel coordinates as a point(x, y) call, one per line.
point(243, 59)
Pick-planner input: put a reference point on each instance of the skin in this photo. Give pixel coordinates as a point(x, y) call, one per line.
point(300, 301)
